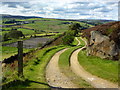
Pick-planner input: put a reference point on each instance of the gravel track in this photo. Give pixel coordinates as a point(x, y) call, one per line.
point(95, 81)
point(54, 76)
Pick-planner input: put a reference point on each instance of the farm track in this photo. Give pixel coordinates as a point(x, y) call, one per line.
point(54, 76)
point(95, 81)
point(57, 79)
point(78, 41)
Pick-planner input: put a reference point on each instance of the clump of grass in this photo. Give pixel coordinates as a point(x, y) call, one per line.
point(106, 69)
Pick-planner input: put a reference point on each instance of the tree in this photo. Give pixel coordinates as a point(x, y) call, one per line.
point(68, 38)
point(15, 34)
point(5, 37)
point(14, 29)
point(76, 27)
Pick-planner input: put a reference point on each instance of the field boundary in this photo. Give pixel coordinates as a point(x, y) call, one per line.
point(14, 58)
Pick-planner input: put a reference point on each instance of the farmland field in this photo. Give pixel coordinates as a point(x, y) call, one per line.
point(48, 26)
point(10, 51)
point(26, 31)
point(31, 43)
point(63, 44)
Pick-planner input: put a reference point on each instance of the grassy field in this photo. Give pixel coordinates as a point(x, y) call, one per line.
point(15, 40)
point(64, 66)
point(26, 31)
point(10, 51)
point(52, 25)
point(82, 43)
point(6, 28)
point(34, 70)
point(106, 69)
point(48, 26)
point(75, 42)
point(3, 32)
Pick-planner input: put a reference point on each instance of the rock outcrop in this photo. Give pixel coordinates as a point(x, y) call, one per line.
point(101, 46)
point(104, 40)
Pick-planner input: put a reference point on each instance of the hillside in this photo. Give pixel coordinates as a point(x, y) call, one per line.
point(110, 29)
point(104, 35)
point(17, 16)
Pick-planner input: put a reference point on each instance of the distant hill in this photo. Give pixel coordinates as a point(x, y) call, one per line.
point(94, 22)
point(17, 16)
point(89, 21)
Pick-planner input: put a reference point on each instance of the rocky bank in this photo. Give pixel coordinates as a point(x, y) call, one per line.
point(104, 40)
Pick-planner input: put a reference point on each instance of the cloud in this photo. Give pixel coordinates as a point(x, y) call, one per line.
point(74, 9)
point(15, 4)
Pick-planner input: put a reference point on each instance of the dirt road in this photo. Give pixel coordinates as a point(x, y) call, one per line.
point(54, 76)
point(78, 41)
point(93, 80)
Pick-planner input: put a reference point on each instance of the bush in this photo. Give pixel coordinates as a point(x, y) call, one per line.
point(5, 37)
point(75, 27)
point(15, 34)
point(68, 38)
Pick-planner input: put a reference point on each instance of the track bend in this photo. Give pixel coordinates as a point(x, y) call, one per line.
point(95, 81)
point(54, 76)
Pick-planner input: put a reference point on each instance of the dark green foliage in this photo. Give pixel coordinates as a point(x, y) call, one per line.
point(10, 21)
point(14, 29)
point(76, 27)
point(15, 34)
point(5, 37)
point(69, 37)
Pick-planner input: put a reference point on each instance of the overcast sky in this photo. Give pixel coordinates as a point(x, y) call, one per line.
point(63, 9)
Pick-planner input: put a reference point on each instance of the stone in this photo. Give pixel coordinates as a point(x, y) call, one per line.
point(100, 45)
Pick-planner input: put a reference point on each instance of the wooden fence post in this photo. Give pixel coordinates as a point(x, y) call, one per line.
point(20, 58)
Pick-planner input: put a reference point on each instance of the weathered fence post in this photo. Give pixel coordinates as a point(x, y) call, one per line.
point(20, 58)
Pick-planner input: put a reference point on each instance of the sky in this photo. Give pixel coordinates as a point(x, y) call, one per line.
point(62, 9)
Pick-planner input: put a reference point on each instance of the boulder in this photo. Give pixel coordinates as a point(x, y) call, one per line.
point(102, 46)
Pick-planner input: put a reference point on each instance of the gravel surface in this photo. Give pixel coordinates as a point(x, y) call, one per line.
point(54, 76)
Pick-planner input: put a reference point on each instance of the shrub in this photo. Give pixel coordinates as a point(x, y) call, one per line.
point(68, 38)
point(76, 27)
point(15, 34)
point(5, 37)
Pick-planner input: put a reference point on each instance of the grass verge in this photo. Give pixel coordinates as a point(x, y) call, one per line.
point(75, 42)
point(106, 69)
point(34, 70)
point(82, 43)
